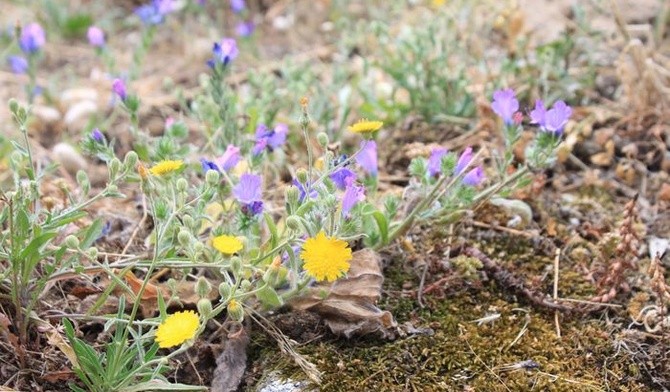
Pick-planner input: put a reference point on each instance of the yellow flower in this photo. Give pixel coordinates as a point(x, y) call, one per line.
point(326, 258)
point(227, 244)
point(165, 167)
point(177, 328)
point(365, 126)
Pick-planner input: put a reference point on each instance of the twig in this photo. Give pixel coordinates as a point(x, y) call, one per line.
point(556, 262)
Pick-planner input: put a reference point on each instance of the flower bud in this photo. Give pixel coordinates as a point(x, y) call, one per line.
point(205, 307)
point(202, 287)
point(198, 247)
point(92, 252)
point(72, 242)
point(301, 174)
point(114, 167)
point(130, 160)
point(182, 185)
point(212, 177)
point(84, 183)
point(13, 105)
point(292, 195)
point(245, 285)
point(322, 138)
point(235, 311)
point(225, 291)
point(236, 265)
point(172, 285)
point(188, 220)
point(293, 223)
point(184, 238)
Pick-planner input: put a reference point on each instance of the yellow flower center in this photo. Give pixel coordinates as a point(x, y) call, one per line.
point(177, 328)
point(325, 258)
point(227, 244)
point(165, 167)
point(365, 126)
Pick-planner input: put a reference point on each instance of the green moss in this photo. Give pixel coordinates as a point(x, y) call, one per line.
point(465, 354)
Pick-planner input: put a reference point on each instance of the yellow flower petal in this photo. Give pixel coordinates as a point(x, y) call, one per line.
point(177, 328)
point(165, 167)
point(326, 258)
point(365, 126)
point(227, 244)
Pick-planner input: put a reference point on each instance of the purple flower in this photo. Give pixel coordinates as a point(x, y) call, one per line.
point(245, 29)
point(474, 177)
point(32, 38)
point(353, 193)
point(96, 36)
point(154, 13)
point(230, 158)
point(463, 161)
point(269, 139)
point(340, 177)
point(224, 52)
point(435, 161)
point(208, 165)
point(505, 104)
point(237, 6)
point(367, 157)
point(119, 87)
point(97, 135)
point(248, 190)
point(538, 114)
point(552, 120)
point(18, 64)
point(253, 208)
point(303, 191)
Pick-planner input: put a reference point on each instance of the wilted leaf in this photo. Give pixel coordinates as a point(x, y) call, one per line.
point(349, 307)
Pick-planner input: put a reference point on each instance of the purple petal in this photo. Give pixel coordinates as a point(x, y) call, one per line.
point(340, 177)
point(367, 158)
point(538, 115)
point(352, 195)
point(435, 160)
point(463, 160)
point(505, 104)
point(230, 158)
point(248, 190)
point(474, 177)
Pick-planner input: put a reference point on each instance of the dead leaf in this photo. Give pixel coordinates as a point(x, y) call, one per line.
point(151, 291)
point(232, 363)
point(64, 374)
point(349, 307)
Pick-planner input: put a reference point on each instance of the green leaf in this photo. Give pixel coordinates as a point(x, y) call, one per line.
point(383, 225)
point(269, 298)
point(92, 234)
point(31, 254)
point(274, 236)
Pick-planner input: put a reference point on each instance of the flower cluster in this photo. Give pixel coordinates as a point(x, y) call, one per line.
point(552, 120)
point(154, 13)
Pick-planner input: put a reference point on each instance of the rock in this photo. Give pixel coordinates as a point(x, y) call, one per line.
point(274, 382)
point(46, 114)
point(519, 211)
point(74, 95)
point(78, 114)
point(69, 158)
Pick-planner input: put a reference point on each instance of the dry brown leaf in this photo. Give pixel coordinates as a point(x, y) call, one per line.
point(349, 307)
point(151, 291)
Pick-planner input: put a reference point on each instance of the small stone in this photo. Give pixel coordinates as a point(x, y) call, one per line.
point(73, 95)
point(79, 113)
point(46, 114)
point(69, 158)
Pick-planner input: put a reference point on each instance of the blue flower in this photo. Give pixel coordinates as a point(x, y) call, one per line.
point(505, 104)
point(340, 177)
point(303, 191)
point(97, 135)
point(269, 139)
point(237, 6)
point(96, 37)
point(154, 13)
point(353, 193)
point(18, 64)
point(245, 29)
point(119, 87)
point(552, 120)
point(463, 160)
point(208, 165)
point(248, 189)
point(224, 52)
point(367, 157)
point(474, 177)
point(435, 161)
point(32, 38)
